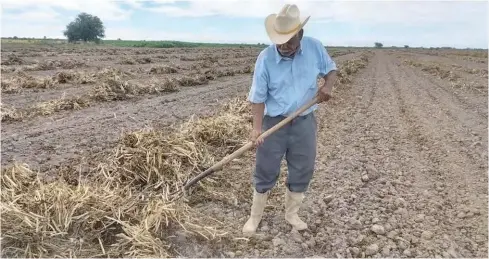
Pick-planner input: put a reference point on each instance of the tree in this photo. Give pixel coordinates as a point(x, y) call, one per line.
point(85, 27)
point(406, 46)
point(378, 45)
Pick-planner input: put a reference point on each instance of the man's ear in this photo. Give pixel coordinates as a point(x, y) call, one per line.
point(301, 33)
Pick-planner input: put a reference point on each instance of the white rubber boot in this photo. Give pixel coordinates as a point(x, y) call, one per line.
point(259, 202)
point(293, 201)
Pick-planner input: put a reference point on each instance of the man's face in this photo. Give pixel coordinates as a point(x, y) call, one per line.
point(290, 47)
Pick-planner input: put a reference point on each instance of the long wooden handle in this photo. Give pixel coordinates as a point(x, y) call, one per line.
point(249, 145)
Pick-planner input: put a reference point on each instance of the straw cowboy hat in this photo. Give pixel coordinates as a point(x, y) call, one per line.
point(283, 26)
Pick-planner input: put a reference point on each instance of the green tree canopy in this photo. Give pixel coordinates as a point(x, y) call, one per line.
point(378, 45)
point(85, 27)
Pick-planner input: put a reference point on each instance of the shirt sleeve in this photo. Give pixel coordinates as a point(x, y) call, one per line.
point(259, 87)
point(326, 63)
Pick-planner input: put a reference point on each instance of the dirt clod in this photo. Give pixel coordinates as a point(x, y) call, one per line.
point(355, 251)
point(230, 254)
point(371, 249)
point(328, 198)
point(392, 234)
point(378, 229)
point(419, 218)
point(365, 178)
point(356, 224)
point(427, 235)
point(278, 242)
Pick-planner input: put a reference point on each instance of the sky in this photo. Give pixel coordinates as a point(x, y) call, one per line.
point(459, 24)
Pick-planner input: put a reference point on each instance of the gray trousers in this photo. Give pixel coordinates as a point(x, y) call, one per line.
point(297, 141)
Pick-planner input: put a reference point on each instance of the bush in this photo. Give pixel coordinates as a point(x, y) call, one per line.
point(378, 45)
point(86, 28)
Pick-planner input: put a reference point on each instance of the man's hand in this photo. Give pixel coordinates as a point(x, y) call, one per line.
point(255, 137)
point(324, 94)
point(325, 90)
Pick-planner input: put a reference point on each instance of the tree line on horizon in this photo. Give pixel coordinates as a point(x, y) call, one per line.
point(90, 28)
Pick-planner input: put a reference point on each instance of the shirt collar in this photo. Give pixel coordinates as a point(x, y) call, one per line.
point(279, 57)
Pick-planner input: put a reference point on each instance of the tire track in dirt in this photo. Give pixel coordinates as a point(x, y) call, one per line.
point(448, 190)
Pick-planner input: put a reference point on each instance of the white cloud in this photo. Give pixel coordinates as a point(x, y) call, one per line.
point(15, 4)
point(407, 12)
point(33, 30)
point(456, 17)
point(105, 10)
point(44, 14)
point(230, 8)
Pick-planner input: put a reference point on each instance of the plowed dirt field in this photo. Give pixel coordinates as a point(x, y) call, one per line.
point(402, 157)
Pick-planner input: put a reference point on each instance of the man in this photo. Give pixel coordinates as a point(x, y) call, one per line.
point(285, 78)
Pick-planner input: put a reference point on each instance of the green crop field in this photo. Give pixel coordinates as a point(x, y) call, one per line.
point(171, 44)
point(130, 43)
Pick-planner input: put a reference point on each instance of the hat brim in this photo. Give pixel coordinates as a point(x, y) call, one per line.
point(276, 37)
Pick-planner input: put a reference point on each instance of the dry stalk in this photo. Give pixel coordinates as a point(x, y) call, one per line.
point(56, 105)
point(351, 67)
point(53, 64)
point(12, 59)
point(22, 80)
point(10, 113)
point(163, 69)
point(115, 88)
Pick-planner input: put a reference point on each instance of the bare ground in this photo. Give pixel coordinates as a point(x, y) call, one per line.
point(401, 172)
point(401, 168)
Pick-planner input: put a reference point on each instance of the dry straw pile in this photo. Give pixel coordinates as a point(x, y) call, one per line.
point(12, 59)
point(122, 207)
point(9, 113)
point(434, 69)
point(351, 67)
point(163, 69)
point(21, 80)
point(53, 64)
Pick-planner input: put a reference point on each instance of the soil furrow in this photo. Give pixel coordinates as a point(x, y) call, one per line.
point(472, 101)
point(452, 179)
point(470, 129)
